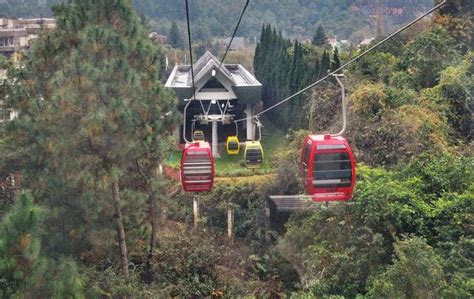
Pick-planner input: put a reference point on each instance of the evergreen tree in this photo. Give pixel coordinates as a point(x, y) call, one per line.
point(174, 36)
point(336, 61)
point(24, 272)
point(319, 38)
point(93, 113)
point(325, 64)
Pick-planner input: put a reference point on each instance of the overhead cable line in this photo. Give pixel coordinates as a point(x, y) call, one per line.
point(191, 55)
point(347, 63)
point(235, 32)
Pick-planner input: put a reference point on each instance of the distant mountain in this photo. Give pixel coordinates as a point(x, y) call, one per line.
point(295, 18)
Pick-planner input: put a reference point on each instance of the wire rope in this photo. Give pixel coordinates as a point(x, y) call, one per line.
point(235, 32)
point(188, 23)
point(347, 63)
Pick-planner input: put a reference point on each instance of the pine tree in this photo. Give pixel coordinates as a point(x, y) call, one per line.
point(93, 113)
point(24, 272)
point(174, 36)
point(319, 38)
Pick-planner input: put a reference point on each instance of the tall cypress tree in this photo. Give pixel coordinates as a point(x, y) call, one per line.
point(174, 36)
point(92, 111)
point(325, 64)
point(336, 61)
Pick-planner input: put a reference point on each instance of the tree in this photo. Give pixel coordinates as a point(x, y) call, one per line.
point(426, 56)
point(319, 38)
point(174, 36)
point(24, 272)
point(325, 64)
point(336, 61)
point(415, 273)
point(96, 111)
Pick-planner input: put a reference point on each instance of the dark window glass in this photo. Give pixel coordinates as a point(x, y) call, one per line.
point(254, 155)
point(233, 145)
point(213, 85)
point(332, 170)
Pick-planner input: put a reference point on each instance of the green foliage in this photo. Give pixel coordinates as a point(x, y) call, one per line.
point(23, 270)
point(416, 272)
point(443, 172)
point(19, 243)
point(456, 87)
point(327, 261)
point(426, 56)
point(336, 61)
point(391, 125)
point(285, 68)
point(93, 114)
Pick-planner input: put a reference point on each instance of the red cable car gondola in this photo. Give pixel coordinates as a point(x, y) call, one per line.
point(328, 168)
point(197, 167)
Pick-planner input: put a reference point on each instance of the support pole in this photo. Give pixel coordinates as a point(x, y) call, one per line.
point(267, 224)
point(196, 211)
point(215, 141)
point(230, 223)
point(250, 123)
point(164, 213)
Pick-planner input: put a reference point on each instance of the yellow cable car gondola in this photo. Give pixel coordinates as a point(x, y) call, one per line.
point(198, 135)
point(253, 154)
point(233, 145)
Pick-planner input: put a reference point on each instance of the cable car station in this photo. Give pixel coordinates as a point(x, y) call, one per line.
point(223, 93)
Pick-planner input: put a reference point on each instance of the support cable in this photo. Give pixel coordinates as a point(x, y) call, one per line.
point(348, 63)
point(191, 56)
point(235, 32)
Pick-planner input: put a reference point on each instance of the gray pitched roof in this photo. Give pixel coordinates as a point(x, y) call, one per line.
point(245, 86)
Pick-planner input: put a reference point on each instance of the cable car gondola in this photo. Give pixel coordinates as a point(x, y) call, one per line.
point(328, 168)
point(197, 167)
point(233, 145)
point(253, 154)
point(328, 164)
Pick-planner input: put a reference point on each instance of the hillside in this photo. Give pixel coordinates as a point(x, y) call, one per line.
point(296, 18)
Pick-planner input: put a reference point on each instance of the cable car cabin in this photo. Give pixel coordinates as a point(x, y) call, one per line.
point(197, 167)
point(233, 145)
point(328, 168)
point(198, 135)
point(253, 154)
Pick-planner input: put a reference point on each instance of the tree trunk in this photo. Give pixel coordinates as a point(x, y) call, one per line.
point(153, 222)
point(120, 228)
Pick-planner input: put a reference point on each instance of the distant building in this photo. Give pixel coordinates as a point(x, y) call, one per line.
point(335, 43)
point(16, 35)
point(158, 38)
point(222, 95)
point(238, 43)
point(6, 114)
point(366, 41)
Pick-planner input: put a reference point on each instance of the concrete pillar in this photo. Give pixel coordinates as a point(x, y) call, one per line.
point(196, 211)
point(266, 212)
point(250, 123)
point(230, 223)
point(215, 140)
point(177, 134)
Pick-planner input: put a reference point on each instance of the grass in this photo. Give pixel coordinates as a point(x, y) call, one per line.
point(233, 165)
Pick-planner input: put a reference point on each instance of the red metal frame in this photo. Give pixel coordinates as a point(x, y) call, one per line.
point(189, 186)
point(326, 194)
